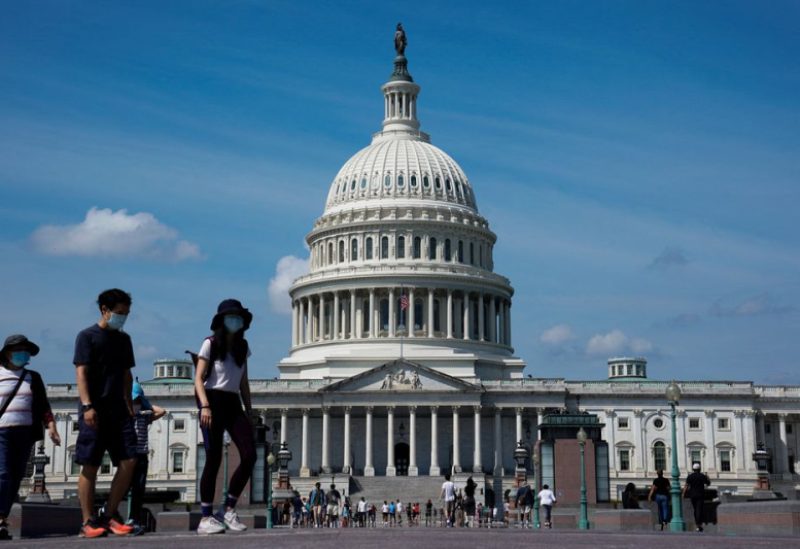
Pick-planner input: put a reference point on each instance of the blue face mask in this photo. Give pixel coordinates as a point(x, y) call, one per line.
point(233, 323)
point(117, 321)
point(20, 358)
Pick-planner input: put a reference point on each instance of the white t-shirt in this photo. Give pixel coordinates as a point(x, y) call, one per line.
point(449, 490)
point(547, 497)
point(362, 506)
point(20, 412)
point(399, 507)
point(384, 508)
point(225, 375)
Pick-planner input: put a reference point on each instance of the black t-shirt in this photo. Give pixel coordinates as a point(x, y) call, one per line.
point(107, 354)
point(697, 484)
point(525, 494)
point(662, 486)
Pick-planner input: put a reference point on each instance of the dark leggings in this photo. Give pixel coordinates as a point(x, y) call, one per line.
point(138, 486)
point(226, 415)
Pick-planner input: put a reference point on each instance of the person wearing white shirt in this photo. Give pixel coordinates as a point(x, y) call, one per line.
point(547, 498)
point(449, 497)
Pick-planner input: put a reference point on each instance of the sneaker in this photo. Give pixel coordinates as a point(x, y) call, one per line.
point(4, 531)
point(232, 521)
point(210, 525)
point(92, 529)
point(138, 529)
point(118, 527)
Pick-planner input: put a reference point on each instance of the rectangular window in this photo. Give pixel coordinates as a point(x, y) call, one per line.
point(694, 423)
point(417, 247)
point(725, 460)
point(622, 423)
point(401, 247)
point(723, 424)
point(179, 425)
point(624, 460)
point(696, 456)
point(177, 461)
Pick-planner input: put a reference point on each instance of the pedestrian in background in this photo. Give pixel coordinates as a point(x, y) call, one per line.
point(24, 413)
point(547, 499)
point(660, 489)
point(695, 487)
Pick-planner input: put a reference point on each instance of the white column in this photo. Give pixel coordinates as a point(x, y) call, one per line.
point(609, 436)
point(466, 316)
point(304, 470)
point(749, 438)
point(321, 325)
point(449, 314)
point(476, 455)
point(294, 323)
point(518, 425)
point(353, 324)
point(492, 320)
point(711, 451)
point(434, 471)
point(309, 321)
point(413, 470)
point(390, 468)
point(410, 320)
point(481, 327)
point(498, 442)
point(430, 312)
point(326, 439)
point(783, 448)
point(373, 332)
point(369, 468)
point(336, 308)
point(347, 458)
point(392, 314)
point(284, 423)
point(682, 450)
point(456, 439)
point(641, 451)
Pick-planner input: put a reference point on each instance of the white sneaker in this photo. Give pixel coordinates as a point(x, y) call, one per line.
point(232, 521)
point(210, 525)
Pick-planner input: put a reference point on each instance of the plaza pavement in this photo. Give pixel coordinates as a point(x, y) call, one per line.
point(419, 538)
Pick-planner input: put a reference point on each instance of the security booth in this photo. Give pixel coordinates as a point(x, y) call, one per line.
point(558, 457)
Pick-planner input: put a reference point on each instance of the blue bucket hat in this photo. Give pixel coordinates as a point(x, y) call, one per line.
point(138, 392)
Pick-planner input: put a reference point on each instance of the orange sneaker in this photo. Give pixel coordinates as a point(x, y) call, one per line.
point(92, 529)
point(119, 528)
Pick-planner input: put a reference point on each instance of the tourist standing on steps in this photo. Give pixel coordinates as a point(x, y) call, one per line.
point(315, 501)
point(449, 497)
point(660, 489)
point(221, 387)
point(334, 499)
point(525, 504)
point(695, 487)
point(103, 361)
point(24, 412)
point(547, 499)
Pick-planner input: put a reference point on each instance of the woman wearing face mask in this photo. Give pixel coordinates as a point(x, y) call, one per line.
point(24, 411)
point(221, 387)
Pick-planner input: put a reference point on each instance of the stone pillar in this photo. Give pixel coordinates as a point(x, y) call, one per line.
point(498, 442)
point(410, 317)
point(518, 424)
point(345, 319)
point(309, 321)
point(390, 467)
point(336, 308)
point(466, 316)
point(711, 462)
point(740, 442)
point(304, 470)
point(347, 458)
point(749, 439)
point(641, 451)
point(783, 448)
point(326, 440)
point(492, 320)
point(413, 470)
point(609, 429)
point(392, 314)
point(369, 468)
point(434, 470)
point(449, 314)
point(353, 324)
point(430, 312)
point(321, 325)
point(476, 455)
point(373, 332)
point(284, 423)
point(456, 438)
point(481, 327)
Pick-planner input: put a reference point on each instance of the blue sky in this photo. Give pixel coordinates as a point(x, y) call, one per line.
point(639, 162)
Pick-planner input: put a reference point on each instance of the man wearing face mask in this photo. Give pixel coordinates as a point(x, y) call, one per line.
point(24, 411)
point(103, 361)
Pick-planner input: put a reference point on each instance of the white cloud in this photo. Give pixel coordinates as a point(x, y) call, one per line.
point(107, 233)
point(615, 342)
point(557, 334)
point(286, 271)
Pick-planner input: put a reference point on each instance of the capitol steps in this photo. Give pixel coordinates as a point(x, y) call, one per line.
point(407, 489)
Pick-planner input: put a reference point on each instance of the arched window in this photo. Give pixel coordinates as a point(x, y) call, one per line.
point(353, 185)
point(401, 182)
point(329, 259)
point(447, 254)
point(364, 182)
point(432, 249)
point(480, 253)
point(401, 247)
point(387, 181)
point(426, 183)
point(438, 183)
point(417, 247)
point(472, 253)
point(461, 251)
point(341, 251)
point(354, 250)
point(413, 181)
point(659, 456)
point(384, 247)
point(368, 251)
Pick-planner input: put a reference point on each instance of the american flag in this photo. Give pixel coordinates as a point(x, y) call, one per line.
point(403, 302)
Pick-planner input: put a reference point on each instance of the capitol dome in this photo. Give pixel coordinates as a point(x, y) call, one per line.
point(401, 263)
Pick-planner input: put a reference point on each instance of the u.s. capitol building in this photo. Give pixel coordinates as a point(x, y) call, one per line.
point(402, 364)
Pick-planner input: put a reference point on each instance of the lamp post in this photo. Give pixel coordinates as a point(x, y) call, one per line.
point(520, 457)
point(536, 522)
point(583, 523)
point(673, 394)
point(761, 456)
point(284, 457)
point(270, 463)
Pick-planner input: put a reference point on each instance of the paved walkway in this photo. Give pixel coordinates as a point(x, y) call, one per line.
point(421, 538)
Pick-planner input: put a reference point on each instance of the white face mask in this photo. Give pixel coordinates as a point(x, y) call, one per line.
point(233, 323)
point(117, 321)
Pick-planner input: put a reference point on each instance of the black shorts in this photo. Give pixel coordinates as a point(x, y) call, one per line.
point(114, 434)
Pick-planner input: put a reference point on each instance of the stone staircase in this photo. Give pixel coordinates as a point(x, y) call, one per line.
point(407, 489)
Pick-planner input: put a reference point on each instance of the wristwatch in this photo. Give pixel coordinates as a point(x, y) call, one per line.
point(86, 407)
